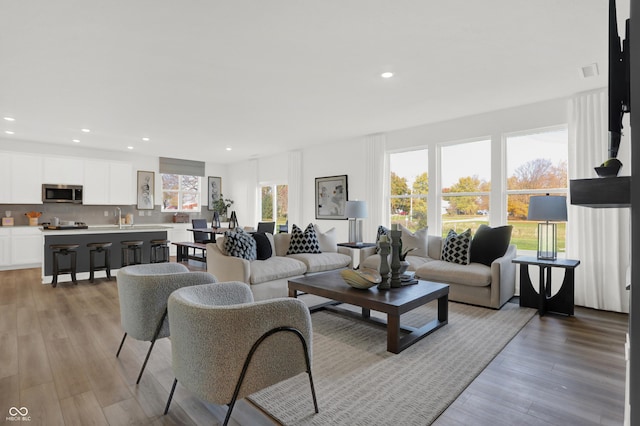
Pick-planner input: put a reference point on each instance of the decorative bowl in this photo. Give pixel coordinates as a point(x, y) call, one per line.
point(609, 168)
point(361, 278)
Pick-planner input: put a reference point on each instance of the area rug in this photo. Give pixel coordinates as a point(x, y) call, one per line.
point(359, 383)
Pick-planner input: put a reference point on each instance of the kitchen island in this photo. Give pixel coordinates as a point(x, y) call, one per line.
point(97, 234)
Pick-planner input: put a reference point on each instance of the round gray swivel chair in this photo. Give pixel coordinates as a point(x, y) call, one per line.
point(143, 291)
point(225, 346)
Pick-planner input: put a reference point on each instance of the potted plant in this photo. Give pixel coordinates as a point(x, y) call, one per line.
point(404, 263)
point(221, 205)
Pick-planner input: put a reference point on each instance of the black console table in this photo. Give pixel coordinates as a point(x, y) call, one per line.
point(562, 301)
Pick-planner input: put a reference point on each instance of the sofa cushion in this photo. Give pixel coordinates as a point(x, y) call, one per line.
point(281, 241)
point(303, 242)
point(238, 243)
point(328, 241)
point(275, 268)
point(263, 246)
point(415, 240)
point(456, 247)
point(474, 274)
point(488, 243)
point(373, 262)
point(320, 262)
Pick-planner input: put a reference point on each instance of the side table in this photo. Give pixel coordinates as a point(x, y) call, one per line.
point(563, 301)
point(363, 250)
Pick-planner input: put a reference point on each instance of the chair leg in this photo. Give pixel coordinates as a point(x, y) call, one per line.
point(247, 361)
point(153, 342)
point(173, 388)
point(121, 343)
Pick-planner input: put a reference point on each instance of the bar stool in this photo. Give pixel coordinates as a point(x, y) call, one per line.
point(131, 248)
point(64, 250)
point(159, 251)
point(106, 265)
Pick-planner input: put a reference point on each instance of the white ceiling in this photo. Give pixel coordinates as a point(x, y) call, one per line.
point(269, 76)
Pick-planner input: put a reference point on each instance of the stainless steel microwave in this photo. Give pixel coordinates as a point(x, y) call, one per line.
point(61, 193)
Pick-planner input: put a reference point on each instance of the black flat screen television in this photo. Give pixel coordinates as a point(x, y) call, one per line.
point(618, 80)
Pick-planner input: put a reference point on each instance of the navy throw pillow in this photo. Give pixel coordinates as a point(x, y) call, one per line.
point(488, 243)
point(263, 246)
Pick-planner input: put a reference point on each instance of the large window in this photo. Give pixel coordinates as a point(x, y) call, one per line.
point(536, 165)
point(180, 193)
point(275, 203)
point(409, 188)
point(465, 185)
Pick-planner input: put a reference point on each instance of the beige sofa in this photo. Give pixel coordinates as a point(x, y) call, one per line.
point(476, 283)
point(268, 278)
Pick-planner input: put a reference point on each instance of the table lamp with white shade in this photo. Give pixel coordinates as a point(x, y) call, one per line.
point(548, 208)
point(355, 211)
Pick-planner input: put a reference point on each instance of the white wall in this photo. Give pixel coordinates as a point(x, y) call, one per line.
point(532, 116)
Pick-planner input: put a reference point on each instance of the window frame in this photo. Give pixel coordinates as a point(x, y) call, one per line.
point(498, 193)
point(180, 191)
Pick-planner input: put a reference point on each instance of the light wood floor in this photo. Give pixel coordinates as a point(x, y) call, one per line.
point(57, 358)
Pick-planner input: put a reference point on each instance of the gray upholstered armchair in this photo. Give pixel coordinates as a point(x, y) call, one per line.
point(143, 291)
point(226, 346)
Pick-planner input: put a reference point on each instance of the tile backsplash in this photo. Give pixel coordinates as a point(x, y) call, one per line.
point(91, 215)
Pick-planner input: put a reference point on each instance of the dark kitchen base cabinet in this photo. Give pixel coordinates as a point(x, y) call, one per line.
point(83, 251)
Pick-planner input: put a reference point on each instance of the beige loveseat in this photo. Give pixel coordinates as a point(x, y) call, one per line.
point(475, 283)
point(268, 278)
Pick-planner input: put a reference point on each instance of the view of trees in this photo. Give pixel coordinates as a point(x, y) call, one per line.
point(535, 174)
point(282, 203)
point(468, 205)
point(539, 173)
point(180, 192)
point(267, 203)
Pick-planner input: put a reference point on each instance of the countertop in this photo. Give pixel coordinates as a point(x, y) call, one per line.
point(108, 229)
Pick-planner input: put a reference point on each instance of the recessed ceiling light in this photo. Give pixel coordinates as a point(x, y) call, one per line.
point(86, 130)
point(76, 140)
point(9, 132)
point(129, 147)
point(146, 139)
point(9, 118)
point(228, 148)
point(386, 75)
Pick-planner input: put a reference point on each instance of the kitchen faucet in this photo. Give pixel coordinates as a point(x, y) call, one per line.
point(119, 217)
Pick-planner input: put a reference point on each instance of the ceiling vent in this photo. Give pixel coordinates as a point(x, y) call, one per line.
point(590, 70)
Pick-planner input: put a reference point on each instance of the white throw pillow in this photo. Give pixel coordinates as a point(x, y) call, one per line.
point(417, 240)
point(328, 240)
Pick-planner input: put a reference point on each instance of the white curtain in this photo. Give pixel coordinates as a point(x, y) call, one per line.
point(294, 181)
point(598, 237)
point(377, 185)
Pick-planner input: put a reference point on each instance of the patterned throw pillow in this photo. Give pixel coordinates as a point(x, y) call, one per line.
point(238, 243)
point(456, 247)
point(303, 242)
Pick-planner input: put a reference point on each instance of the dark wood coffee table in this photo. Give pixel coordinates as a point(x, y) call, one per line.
point(394, 302)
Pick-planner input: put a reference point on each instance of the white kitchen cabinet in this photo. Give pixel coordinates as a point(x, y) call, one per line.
point(121, 184)
point(26, 245)
point(5, 247)
point(108, 183)
point(5, 178)
point(63, 170)
point(95, 189)
point(26, 179)
point(179, 234)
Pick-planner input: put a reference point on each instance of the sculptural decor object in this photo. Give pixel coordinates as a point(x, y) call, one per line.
point(362, 279)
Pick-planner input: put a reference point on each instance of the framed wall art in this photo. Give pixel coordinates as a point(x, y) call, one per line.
point(331, 197)
point(145, 190)
point(214, 188)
